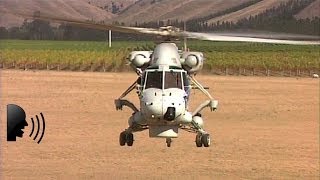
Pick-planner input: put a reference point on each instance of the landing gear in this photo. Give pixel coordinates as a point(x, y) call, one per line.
point(168, 141)
point(198, 140)
point(129, 139)
point(123, 138)
point(202, 139)
point(205, 140)
point(126, 137)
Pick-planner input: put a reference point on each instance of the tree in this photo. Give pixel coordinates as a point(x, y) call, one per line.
point(4, 34)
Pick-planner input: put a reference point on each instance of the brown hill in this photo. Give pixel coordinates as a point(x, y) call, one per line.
point(107, 4)
point(131, 11)
point(248, 11)
point(312, 10)
point(154, 10)
point(76, 9)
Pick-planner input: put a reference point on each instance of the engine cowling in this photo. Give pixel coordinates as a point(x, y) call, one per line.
point(192, 62)
point(139, 58)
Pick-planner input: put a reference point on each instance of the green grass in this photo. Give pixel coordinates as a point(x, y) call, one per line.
point(218, 54)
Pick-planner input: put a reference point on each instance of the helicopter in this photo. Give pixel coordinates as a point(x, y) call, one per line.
point(166, 76)
point(163, 87)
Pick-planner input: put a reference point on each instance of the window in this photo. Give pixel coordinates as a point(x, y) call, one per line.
point(154, 80)
point(186, 82)
point(173, 80)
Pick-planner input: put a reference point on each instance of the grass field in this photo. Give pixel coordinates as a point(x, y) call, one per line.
point(218, 54)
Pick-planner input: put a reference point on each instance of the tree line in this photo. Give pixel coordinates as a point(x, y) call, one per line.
point(42, 30)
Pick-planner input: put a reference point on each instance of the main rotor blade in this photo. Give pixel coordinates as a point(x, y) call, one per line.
point(269, 35)
point(241, 38)
point(171, 32)
point(98, 26)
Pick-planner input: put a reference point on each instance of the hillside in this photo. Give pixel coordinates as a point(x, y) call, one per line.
point(76, 9)
point(140, 11)
point(112, 5)
point(248, 11)
point(151, 10)
point(311, 11)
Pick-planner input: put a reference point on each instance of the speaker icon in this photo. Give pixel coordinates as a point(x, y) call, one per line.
point(38, 128)
point(16, 122)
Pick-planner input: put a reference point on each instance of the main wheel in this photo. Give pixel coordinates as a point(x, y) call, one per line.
point(205, 140)
point(198, 140)
point(168, 144)
point(123, 138)
point(130, 139)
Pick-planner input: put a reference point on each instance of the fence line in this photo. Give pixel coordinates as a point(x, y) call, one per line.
point(102, 67)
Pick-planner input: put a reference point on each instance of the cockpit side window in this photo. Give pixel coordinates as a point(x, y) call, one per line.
point(186, 82)
point(173, 80)
point(154, 80)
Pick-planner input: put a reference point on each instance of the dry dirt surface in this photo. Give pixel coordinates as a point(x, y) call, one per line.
point(265, 128)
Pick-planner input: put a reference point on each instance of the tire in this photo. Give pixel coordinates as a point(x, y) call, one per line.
point(122, 138)
point(168, 144)
point(205, 140)
point(198, 140)
point(130, 139)
point(168, 141)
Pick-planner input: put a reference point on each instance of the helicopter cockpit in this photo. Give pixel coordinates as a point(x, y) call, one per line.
point(176, 78)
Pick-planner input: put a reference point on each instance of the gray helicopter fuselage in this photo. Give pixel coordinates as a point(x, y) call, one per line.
point(165, 101)
point(164, 91)
point(164, 88)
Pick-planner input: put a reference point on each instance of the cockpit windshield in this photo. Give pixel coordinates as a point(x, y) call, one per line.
point(154, 80)
point(171, 79)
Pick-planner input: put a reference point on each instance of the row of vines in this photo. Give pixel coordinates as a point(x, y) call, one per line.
point(33, 54)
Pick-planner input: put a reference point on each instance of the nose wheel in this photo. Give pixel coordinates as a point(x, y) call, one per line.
point(202, 139)
point(126, 138)
point(168, 141)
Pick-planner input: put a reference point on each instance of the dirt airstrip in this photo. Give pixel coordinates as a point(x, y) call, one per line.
point(264, 128)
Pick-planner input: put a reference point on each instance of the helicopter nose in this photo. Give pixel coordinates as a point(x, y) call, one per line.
point(170, 114)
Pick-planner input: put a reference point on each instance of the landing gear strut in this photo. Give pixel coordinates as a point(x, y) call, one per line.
point(202, 139)
point(126, 137)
